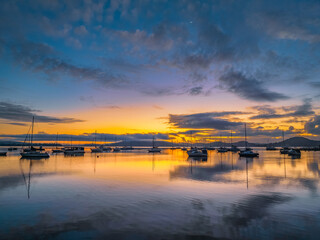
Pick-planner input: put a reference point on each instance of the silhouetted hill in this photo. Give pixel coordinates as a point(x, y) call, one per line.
point(298, 142)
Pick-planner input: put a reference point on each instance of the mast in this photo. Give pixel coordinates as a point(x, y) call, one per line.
point(245, 134)
point(31, 138)
point(231, 138)
point(95, 139)
point(282, 138)
point(57, 141)
point(153, 141)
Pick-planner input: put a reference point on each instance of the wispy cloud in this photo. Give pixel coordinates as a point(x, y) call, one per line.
point(210, 120)
point(20, 113)
point(267, 112)
point(248, 87)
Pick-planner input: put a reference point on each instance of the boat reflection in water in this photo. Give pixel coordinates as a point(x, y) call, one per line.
point(27, 174)
point(160, 196)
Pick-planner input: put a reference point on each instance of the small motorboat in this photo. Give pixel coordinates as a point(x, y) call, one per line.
point(294, 153)
point(74, 151)
point(270, 148)
point(106, 149)
point(248, 153)
point(97, 150)
point(127, 148)
point(284, 150)
point(211, 148)
point(222, 150)
point(234, 149)
point(197, 153)
point(12, 149)
point(184, 149)
point(3, 153)
point(154, 150)
point(116, 149)
point(57, 150)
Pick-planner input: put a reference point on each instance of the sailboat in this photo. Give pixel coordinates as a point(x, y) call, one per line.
point(233, 147)
point(32, 152)
point(172, 146)
point(222, 149)
point(96, 149)
point(57, 150)
point(284, 149)
point(74, 151)
point(210, 147)
point(247, 152)
point(104, 147)
point(125, 147)
point(195, 152)
point(154, 149)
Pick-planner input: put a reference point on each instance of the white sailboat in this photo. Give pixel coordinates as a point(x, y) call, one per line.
point(284, 149)
point(233, 148)
point(57, 150)
point(154, 149)
point(32, 152)
point(96, 149)
point(222, 149)
point(247, 152)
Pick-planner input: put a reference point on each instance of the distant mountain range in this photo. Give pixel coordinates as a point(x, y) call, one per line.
point(291, 142)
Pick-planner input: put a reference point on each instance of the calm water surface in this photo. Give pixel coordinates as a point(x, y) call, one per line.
point(136, 195)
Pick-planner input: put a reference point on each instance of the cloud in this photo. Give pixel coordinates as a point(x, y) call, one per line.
point(286, 21)
point(303, 110)
point(20, 113)
point(40, 57)
point(81, 30)
point(16, 124)
point(248, 87)
point(313, 126)
point(195, 90)
point(208, 120)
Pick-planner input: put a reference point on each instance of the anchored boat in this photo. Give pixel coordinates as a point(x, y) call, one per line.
point(154, 149)
point(197, 153)
point(33, 152)
point(247, 152)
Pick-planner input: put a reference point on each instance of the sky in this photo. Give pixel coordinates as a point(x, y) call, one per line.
point(130, 69)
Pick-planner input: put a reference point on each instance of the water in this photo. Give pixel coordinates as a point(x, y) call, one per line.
point(137, 195)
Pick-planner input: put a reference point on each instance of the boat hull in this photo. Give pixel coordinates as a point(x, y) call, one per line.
point(197, 155)
point(248, 154)
point(78, 153)
point(34, 155)
point(96, 150)
point(154, 150)
point(57, 151)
